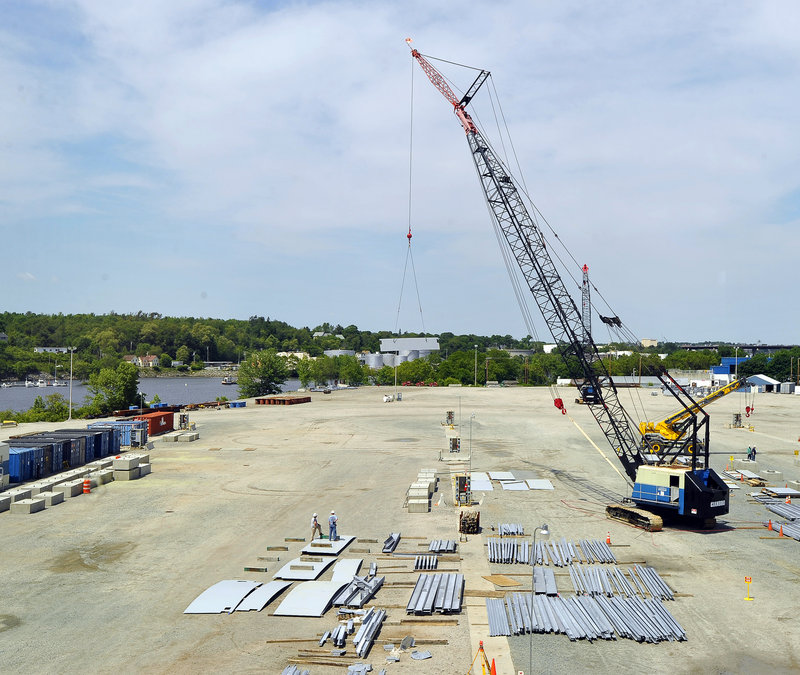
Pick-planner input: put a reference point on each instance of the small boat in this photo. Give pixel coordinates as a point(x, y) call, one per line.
point(41, 383)
point(57, 383)
point(228, 379)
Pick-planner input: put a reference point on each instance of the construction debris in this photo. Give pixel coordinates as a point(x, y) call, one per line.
point(469, 522)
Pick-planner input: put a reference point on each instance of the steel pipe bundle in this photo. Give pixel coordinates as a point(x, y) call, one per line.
point(583, 617)
point(426, 562)
point(369, 629)
point(436, 593)
point(788, 511)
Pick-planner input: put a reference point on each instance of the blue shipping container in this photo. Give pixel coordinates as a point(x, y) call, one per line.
point(20, 464)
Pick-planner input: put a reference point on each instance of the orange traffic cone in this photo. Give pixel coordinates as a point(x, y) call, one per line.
point(769, 524)
point(87, 486)
point(608, 538)
point(493, 670)
point(788, 500)
point(781, 532)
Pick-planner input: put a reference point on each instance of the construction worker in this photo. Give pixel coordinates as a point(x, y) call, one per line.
point(315, 527)
point(332, 520)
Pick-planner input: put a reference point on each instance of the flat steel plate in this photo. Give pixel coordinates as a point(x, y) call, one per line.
point(346, 569)
point(539, 484)
point(224, 596)
point(326, 546)
point(518, 485)
point(501, 475)
point(304, 570)
point(481, 485)
point(262, 596)
point(312, 598)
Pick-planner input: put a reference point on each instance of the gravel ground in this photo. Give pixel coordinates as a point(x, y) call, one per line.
point(100, 582)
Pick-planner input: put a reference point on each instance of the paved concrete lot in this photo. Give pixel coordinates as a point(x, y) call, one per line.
point(100, 582)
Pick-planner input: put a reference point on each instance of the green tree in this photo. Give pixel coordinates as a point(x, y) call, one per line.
point(165, 360)
point(304, 371)
point(114, 389)
point(183, 354)
point(262, 373)
point(350, 370)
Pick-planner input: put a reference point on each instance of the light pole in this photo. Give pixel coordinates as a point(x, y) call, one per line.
point(475, 383)
point(71, 349)
point(545, 534)
point(471, 417)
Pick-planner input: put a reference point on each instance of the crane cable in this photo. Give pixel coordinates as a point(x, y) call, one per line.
point(409, 254)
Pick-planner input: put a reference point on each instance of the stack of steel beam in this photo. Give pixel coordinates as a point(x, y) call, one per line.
point(655, 585)
point(790, 529)
point(391, 542)
point(442, 546)
point(558, 554)
point(369, 629)
point(597, 551)
point(358, 591)
point(544, 581)
point(436, 593)
point(426, 562)
point(583, 617)
point(294, 670)
point(498, 621)
point(788, 511)
point(506, 529)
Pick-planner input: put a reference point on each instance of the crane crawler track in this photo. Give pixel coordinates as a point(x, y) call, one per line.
point(640, 518)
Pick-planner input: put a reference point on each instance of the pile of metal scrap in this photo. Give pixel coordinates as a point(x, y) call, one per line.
point(583, 617)
point(370, 626)
point(510, 529)
point(358, 592)
point(442, 546)
point(469, 522)
point(391, 542)
point(426, 562)
point(436, 593)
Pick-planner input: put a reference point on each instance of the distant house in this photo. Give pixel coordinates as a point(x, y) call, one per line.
point(50, 350)
point(319, 334)
point(3, 337)
point(149, 361)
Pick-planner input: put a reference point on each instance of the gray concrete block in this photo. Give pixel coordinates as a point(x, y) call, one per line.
point(125, 463)
point(100, 464)
point(418, 506)
point(188, 436)
point(4, 480)
point(772, 476)
point(144, 469)
point(144, 457)
point(36, 488)
point(5, 503)
point(791, 483)
point(102, 476)
point(169, 438)
point(418, 493)
point(52, 498)
point(745, 464)
point(70, 488)
point(133, 474)
point(19, 493)
point(28, 505)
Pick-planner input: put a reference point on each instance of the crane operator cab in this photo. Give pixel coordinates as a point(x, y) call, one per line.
point(699, 494)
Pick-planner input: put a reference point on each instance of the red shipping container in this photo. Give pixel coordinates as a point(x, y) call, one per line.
point(158, 422)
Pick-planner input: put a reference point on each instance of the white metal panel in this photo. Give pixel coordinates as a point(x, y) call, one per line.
point(516, 485)
point(539, 484)
point(311, 598)
point(224, 596)
point(501, 475)
point(481, 485)
point(262, 596)
point(326, 546)
point(304, 570)
point(346, 569)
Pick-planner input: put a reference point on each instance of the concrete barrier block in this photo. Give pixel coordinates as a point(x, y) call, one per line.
point(125, 463)
point(101, 464)
point(791, 483)
point(188, 436)
point(103, 476)
point(745, 464)
point(52, 498)
point(144, 457)
point(133, 474)
point(27, 505)
point(4, 479)
point(421, 486)
point(69, 488)
point(772, 476)
point(418, 493)
point(144, 469)
point(36, 488)
point(5, 503)
point(169, 438)
point(418, 506)
point(18, 494)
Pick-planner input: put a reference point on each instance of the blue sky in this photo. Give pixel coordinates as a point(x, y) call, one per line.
point(226, 158)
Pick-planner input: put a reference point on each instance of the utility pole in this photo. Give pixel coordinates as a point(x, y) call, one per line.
point(475, 383)
point(71, 350)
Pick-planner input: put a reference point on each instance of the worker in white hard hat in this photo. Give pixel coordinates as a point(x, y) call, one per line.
point(315, 527)
point(332, 520)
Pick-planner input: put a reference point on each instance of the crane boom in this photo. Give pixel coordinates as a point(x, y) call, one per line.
point(658, 484)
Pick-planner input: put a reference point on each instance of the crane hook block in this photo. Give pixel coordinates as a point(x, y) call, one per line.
point(558, 403)
point(747, 411)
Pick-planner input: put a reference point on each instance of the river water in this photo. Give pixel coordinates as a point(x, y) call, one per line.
point(171, 390)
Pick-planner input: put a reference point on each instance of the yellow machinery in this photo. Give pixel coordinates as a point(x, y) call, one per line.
point(672, 428)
